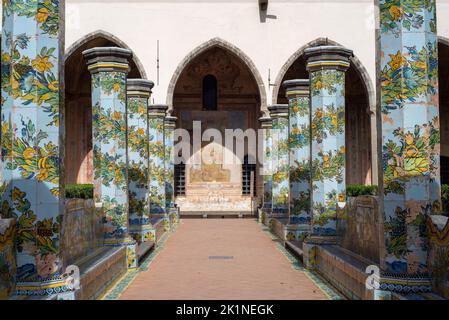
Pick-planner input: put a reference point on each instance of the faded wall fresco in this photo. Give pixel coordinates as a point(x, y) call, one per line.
point(410, 131)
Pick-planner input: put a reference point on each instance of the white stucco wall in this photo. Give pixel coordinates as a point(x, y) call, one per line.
point(180, 26)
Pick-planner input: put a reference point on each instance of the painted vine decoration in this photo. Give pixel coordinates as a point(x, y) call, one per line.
point(325, 212)
point(410, 157)
point(111, 83)
point(329, 165)
point(406, 77)
point(329, 80)
point(112, 169)
point(111, 125)
point(408, 14)
point(30, 154)
point(329, 120)
point(114, 218)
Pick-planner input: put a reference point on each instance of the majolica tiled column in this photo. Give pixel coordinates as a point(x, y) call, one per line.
point(327, 66)
point(32, 140)
point(138, 93)
point(298, 95)
point(156, 116)
point(169, 137)
point(109, 68)
point(266, 124)
point(410, 138)
point(281, 184)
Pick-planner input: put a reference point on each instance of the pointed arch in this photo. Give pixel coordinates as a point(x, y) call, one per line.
point(218, 42)
point(363, 73)
point(101, 34)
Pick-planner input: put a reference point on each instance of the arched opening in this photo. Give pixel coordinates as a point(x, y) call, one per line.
point(78, 106)
point(359, 154)
point(443, 56)
point(217, 88)
point(210, 93)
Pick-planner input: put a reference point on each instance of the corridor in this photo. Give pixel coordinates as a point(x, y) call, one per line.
point(221, 259)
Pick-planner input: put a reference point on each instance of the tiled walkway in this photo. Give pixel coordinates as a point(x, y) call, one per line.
point(222, 259)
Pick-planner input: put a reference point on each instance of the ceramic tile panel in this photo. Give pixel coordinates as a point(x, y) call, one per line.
point(267, 165)
point(32, 126)
point(410, 135)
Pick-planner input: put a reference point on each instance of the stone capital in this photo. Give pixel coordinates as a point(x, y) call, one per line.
point(107, 59)
point(328, 57)
point(278, 110)
point(157, 110)
point(266, 122)
point(139, 87)
point(297, 87)
point(170, 122)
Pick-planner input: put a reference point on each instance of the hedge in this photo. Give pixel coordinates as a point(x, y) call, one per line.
point(79, 191)
point(355, 190)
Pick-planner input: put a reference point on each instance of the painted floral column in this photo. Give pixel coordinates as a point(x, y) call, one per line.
point(138, 93)
point(281, 184)
point(156, 116)
point(109, 68)
point(266, 124)
point(327, 66)
point(410, 138)
point(298, 95)
point(169, 137)
point(32, 153)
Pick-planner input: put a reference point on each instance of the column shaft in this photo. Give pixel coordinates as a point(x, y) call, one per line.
point(156, 147)
point(410, 137)
point(281, 184)
point(169, 137)
point(32, 142)
point(138, 93)
point(298, 94)
point(109, 68)
point(327, 66)
point(267, 162)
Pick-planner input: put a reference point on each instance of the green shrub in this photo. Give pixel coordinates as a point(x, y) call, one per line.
point(79, 191)
point(355, 190)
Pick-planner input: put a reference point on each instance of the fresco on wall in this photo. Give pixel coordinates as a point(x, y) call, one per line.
point(30, 120)
point(328, 147)
point(138, 191)
point(410, 130)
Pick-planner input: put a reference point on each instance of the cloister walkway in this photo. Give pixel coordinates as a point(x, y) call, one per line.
point(222, 259)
